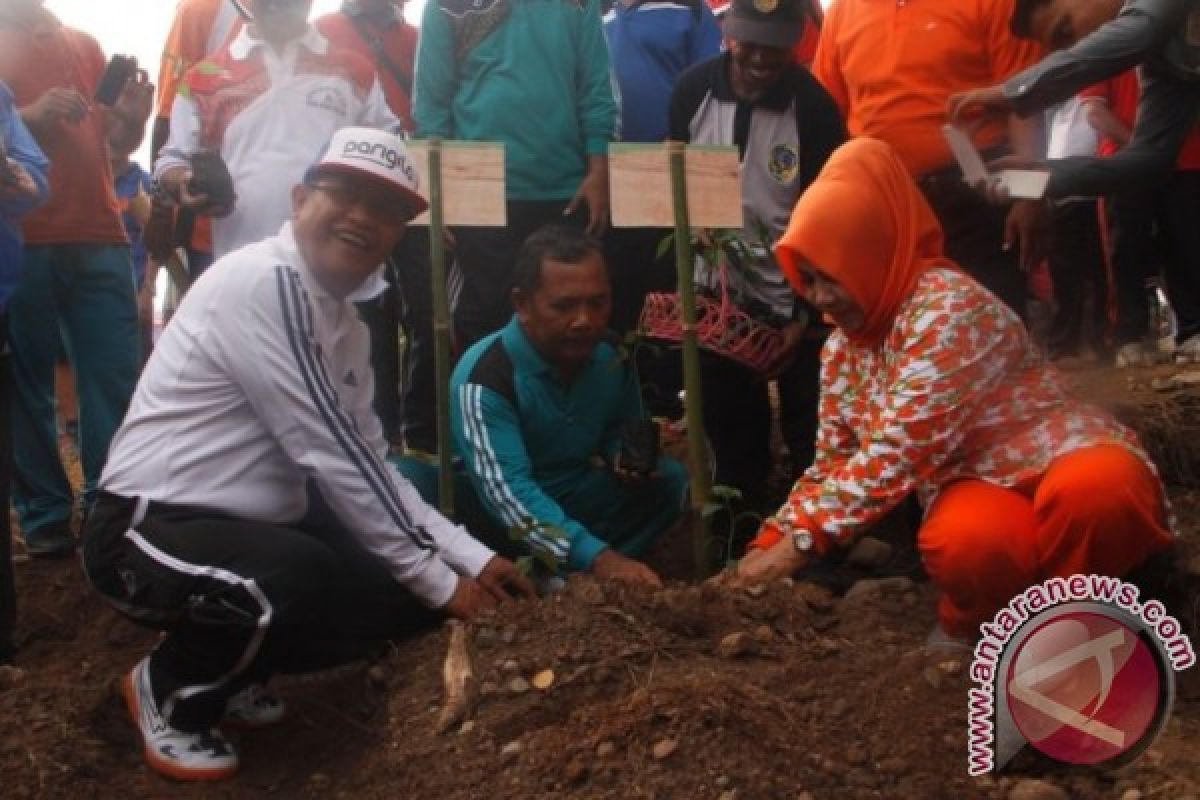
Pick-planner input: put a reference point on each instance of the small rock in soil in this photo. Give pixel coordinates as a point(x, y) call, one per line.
point(736, 645)
point(723, 782)
point(729, 794)
point(510, 666)
point(764, 634)
point(664, 748)
point(488, 688)
point(377, 675)
point(1037, 790)
point(893, 766)
point(517, 685)
point(869, 553)
point(1132, 794)
point(862, 591)
point(509, 635)
point(605, 749)
point(467, 727)
point(511, 751)
point(543, 680)
point(318, 781)
point(933, 676)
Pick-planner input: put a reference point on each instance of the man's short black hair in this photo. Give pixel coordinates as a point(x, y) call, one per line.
point(1021, 23)
point(560, 243)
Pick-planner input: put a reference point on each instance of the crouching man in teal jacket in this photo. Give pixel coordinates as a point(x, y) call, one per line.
point(540, 410)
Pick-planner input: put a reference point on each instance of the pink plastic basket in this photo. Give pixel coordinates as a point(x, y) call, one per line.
point(721, 327)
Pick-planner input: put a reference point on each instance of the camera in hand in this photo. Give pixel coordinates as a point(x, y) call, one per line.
point(639, 448)
point(118, 72)
point(211, 178)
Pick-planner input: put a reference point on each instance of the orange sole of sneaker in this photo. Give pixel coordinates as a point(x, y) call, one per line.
point(166, 768)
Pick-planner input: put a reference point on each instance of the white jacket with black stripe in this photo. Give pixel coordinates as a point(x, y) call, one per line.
point(262, 381)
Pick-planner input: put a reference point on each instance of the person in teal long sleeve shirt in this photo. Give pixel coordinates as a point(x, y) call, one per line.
point(539, 411)
point(533, 75)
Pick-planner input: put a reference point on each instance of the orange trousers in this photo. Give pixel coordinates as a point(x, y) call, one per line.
point(1094, 511)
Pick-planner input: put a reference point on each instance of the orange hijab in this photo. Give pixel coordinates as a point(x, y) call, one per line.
point(864, 223)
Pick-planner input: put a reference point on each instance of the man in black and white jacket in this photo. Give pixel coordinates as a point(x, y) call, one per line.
point(258, 394)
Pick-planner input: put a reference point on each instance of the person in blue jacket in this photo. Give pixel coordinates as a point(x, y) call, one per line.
point(23, 187)
point(540, 410)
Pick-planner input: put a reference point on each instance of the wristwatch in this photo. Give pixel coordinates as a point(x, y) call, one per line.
point(802, 538)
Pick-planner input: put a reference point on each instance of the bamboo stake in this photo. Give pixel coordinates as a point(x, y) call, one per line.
point(693, 405)
point(441, 328)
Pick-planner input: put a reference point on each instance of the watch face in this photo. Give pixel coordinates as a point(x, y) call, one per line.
point(803, 540)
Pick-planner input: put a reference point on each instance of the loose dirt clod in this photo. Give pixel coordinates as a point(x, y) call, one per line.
point(458, 679)
point(543, 680)
point(664, 749)
point(1037, 790)
point(736, 645)
point(869, 553)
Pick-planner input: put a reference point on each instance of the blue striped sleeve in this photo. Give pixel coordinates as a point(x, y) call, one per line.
point(487, 435)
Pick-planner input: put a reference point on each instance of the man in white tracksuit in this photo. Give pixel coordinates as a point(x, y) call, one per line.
point(257, 395)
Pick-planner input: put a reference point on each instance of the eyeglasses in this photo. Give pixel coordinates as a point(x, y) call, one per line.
point(382, 207)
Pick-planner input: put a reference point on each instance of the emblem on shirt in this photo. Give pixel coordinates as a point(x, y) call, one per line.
point(765, 6)
point(328, 99)
point(784, 164)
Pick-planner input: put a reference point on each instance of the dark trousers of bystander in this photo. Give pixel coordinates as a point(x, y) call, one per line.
point(1134, 252)
point(1077, 267)
point(418, 415)
point(1180, 214)
point(974, 235)
point(239, 600)
point(381, 315)
point(738, 417)
point(487, 258)
point(8, 591)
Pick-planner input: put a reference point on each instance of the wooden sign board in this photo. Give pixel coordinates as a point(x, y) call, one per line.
point(472, 182)
point(639, 179)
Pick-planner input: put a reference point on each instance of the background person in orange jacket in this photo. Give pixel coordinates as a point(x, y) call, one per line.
point(929, 385)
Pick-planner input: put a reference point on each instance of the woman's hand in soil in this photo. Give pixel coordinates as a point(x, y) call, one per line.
point(612, 566)
point(780, 560)
point(503, 582)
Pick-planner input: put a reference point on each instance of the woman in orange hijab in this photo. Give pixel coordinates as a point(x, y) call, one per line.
point(931, 384)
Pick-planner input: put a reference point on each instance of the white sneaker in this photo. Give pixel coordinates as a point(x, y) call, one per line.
point(206, 756)
point(1134, 354)
point(1188, 352)
point(254, 707)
